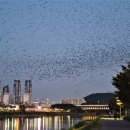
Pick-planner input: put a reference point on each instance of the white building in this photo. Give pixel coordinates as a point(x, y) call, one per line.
point(6, 98)
point(26, 98)
point(76, 101)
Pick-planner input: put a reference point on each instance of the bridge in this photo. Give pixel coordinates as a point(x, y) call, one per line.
point(94, 107)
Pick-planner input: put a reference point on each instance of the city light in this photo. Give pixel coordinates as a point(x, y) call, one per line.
point(119, 103)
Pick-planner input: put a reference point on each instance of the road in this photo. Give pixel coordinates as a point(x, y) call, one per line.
point(115, 125)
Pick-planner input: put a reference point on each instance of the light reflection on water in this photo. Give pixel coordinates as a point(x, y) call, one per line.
point(41, 123)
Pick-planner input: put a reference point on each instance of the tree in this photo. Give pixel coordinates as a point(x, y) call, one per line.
point(113, 105)
point(122, 83)
point(22, 107)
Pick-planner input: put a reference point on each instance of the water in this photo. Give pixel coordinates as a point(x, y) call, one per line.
point(41, 123)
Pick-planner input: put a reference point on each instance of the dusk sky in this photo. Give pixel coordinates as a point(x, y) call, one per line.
point(68, 48)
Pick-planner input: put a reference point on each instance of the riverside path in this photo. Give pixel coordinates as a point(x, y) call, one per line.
point(115, 125)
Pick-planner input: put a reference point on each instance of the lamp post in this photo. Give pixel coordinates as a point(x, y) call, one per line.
point(119, 103)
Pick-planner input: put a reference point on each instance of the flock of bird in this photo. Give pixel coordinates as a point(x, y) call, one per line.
point(52, 39)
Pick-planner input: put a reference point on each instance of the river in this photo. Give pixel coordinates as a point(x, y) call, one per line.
point(41, 123)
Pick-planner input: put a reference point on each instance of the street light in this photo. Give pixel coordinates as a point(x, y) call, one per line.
point(118, 102)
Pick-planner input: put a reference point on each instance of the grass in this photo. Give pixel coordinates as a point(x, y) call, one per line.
point(86, 125)
point(127, 118)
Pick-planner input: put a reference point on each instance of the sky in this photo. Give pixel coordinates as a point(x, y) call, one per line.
point(68, 48)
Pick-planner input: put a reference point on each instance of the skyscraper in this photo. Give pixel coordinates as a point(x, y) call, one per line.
point(6, 95)
point(27, 97)
point(17, 91)
point(28, 87)
point(5, 89)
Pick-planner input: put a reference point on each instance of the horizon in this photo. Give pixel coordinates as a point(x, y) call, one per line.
point(68, 48)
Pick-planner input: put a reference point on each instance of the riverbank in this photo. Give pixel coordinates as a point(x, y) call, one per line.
point(40, 114)
point(87, 125)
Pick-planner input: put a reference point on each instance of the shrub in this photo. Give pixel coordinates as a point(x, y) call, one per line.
point(127, 118)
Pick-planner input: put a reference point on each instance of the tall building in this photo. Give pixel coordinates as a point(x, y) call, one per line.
point(5, 89)
point(6, 96)
point(17, 92)
point(28, 86)
point(27, 97)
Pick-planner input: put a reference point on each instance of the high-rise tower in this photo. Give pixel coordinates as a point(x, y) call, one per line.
point(6, 96)
point(5, 89)
point(28, 87)
point(28, 92)
point(17, 91)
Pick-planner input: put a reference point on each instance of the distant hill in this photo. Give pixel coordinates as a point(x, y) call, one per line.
point(99, 98)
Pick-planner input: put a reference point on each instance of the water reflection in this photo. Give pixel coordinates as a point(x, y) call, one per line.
point(42, 123)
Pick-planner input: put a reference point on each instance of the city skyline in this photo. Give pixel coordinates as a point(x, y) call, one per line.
point(67, 48)
point(25, 97)
point(19, 94)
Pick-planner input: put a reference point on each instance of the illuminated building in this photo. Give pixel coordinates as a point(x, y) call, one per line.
point(27, 97)
point(76, 101)
point(17, 92)
point(6, 95)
